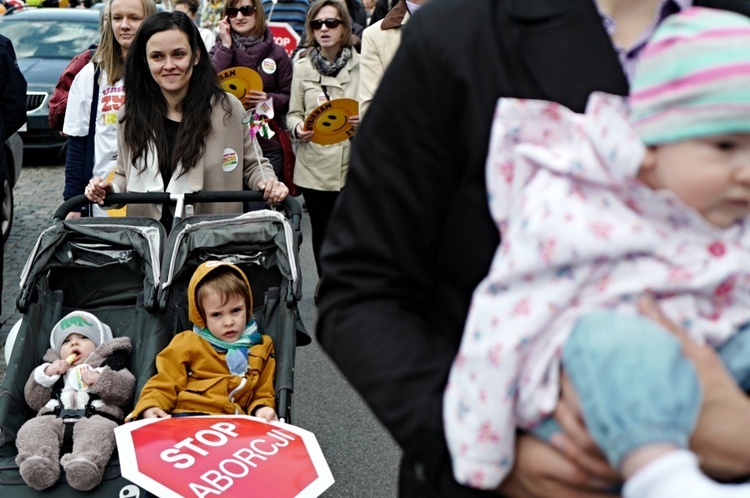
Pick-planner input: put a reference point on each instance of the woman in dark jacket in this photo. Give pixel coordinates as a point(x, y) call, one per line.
point(246, 41)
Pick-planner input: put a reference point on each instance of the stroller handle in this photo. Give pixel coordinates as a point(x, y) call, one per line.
point(290, 204)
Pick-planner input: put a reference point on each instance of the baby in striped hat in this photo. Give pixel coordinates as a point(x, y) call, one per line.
point(646, 195)
point(690, 104)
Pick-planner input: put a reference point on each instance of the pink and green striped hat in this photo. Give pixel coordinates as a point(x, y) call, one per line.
point(693, 78)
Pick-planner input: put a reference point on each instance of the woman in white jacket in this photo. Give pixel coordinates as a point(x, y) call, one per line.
point(330, 70)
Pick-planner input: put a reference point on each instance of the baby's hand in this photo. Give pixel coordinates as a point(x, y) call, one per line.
point(266, 412)
point(58, 367)
point(155, 412)
point(90, 377)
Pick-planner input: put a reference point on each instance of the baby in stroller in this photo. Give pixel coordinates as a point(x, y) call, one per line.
point(82, 387)
point(224, 365)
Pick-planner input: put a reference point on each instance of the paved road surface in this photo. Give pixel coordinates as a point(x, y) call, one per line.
point(363, 458)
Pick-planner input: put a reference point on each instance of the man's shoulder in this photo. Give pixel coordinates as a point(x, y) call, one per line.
point(372, 28)
point(6, 47)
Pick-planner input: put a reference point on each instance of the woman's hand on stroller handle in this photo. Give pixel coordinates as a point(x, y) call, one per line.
point(273, 191)
point(97, 190)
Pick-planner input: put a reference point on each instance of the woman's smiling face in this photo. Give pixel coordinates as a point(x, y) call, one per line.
point(170, 61)
point(126, 17)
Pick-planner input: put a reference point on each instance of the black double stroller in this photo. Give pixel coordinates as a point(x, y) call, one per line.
point(133, 276)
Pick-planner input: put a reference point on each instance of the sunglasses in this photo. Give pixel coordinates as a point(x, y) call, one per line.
point(330, 23)
point(247, 11)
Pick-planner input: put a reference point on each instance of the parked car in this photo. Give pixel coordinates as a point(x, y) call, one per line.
point(45, 41)
point(13, 150)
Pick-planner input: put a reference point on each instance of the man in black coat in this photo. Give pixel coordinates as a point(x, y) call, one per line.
point(412, 236)
point(12, 109)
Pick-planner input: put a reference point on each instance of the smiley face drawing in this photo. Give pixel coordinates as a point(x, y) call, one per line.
point(330, 121)
point(240, 80)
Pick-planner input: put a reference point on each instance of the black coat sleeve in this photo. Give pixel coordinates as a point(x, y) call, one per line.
point(12, 90)
point(382, 314)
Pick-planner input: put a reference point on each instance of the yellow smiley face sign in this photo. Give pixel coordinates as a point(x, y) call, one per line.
point(240, 80)
point(330, 121)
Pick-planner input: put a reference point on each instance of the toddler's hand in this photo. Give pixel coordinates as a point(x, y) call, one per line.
point(266, 412)
point(90, 377)
point(155, 412)
point(58, 367)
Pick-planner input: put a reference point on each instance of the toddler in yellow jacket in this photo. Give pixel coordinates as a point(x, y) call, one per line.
point(223, 365)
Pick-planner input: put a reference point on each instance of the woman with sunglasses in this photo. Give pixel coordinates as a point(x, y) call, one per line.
point(330, 70)
point(180, 132)
point(246, 41)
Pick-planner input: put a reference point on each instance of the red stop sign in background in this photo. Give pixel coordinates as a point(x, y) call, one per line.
point(225, 456)
point(284, 35)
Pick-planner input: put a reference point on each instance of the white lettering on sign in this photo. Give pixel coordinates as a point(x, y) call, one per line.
point(237, 466)
point(282, 40)
point(185, 460)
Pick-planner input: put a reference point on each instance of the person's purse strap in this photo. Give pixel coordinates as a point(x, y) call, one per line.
point(89, 165)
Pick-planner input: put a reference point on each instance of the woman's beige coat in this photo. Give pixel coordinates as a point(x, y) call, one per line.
point(230, 160)
point(320, 167)
point(379, 44)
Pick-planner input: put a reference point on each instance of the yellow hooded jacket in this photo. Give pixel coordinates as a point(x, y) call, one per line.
point(193, 377)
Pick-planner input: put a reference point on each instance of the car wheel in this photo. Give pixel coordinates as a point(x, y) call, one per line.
point(6, 216)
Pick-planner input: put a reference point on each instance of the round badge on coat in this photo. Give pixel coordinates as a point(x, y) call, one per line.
point(268, 65)
point(78, 382)
point(230, 160)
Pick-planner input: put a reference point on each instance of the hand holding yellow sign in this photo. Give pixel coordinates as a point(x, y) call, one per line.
point(239, 81)
point(330, 121)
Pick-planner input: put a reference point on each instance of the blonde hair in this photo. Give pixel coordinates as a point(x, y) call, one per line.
point(343, 14)
point(260, 16)
point(109, 53)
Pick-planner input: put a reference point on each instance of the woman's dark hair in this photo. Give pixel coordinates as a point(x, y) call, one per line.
point(146, 107)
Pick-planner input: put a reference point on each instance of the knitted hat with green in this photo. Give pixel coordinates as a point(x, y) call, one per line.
point(693, 78)
point(83, 323)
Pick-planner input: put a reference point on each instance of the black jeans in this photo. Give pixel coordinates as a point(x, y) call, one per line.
point(320, 206)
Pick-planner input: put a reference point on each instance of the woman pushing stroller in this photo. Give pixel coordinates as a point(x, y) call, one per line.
point(180, 141)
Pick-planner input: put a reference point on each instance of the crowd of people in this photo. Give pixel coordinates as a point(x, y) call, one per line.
point(531, 252)
point(119, 144)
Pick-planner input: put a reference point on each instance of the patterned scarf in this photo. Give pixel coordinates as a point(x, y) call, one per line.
point(236, 351)
point(330, 68)
point(245, 41)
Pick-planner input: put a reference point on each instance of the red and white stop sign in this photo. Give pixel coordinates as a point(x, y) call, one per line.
point(222, 456)
point(284, 35)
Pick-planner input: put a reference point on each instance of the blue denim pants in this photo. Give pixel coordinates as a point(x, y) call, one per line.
point(634, 385)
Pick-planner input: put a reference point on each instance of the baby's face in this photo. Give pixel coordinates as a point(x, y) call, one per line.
point(710, 174)
point(79, 345)
point(226, 316)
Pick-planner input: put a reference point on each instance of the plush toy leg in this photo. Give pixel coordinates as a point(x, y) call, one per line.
point(38, 442)
point(93, 444)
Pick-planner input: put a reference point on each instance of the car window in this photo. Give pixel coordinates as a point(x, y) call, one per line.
point(50, 39)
